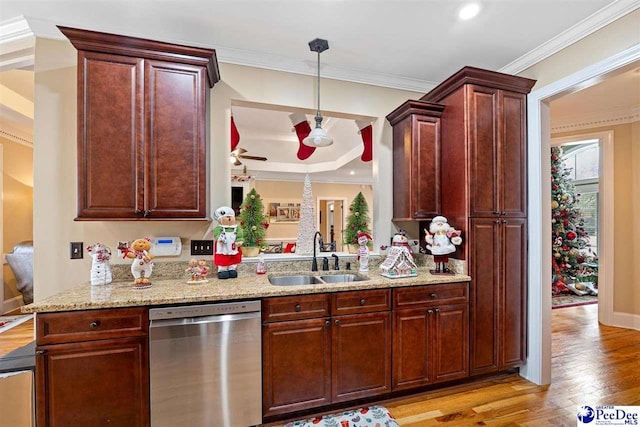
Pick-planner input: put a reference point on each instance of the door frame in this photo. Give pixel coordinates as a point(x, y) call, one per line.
point(344, 216)
point(538, 366)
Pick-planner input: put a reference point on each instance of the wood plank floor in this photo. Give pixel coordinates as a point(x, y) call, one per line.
point(16, 337)
point(592, 364)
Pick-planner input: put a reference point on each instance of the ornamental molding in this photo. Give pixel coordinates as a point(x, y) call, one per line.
point(598, 119)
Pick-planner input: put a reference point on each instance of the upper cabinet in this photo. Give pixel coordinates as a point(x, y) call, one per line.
point(416, 159)
point(484, 150)
point(142, 127)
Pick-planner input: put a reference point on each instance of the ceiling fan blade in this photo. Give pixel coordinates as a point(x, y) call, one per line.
point(243, 156)
point(238, 151)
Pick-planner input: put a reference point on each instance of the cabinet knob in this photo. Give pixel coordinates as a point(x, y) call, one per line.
point(138, 212)
point(433, 295)
point(337, 322)
point(504, 221)
point(40, 352)
point(503, 213)
point(327, 323)
point(496, 212)
point(94, 324)
point(147, 213)
point(429, 311)
point(437, 310)
point(363, 301)
point(497, 221)
point(297, 307)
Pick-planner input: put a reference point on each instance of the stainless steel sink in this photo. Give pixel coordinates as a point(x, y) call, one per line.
point(295, 280)
point(309, 279)
point(342, 278)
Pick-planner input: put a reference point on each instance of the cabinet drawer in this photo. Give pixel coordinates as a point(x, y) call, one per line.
point(90, 325)
point(360, 301)
point(431, 295)
point(295, 307)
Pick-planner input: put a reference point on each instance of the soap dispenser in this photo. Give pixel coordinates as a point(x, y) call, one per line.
point(261, 268)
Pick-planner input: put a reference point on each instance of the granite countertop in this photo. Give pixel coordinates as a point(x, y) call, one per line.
point(248, 285)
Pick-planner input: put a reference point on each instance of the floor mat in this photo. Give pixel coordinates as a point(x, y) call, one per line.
point(571, 300)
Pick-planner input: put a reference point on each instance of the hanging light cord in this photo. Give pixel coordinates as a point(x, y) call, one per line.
point(318, 116)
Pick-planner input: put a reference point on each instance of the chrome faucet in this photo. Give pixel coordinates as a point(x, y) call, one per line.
point(314, 263)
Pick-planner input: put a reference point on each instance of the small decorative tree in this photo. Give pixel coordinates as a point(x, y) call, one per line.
point(252, 220)
point(357, 220)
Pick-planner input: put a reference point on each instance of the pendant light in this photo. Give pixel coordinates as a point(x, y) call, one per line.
point(318, 137)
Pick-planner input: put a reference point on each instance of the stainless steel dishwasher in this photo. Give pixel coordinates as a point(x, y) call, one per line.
point(206, 365)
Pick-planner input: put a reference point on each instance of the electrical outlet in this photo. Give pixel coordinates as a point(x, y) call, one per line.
point(202, 247)
point(76, 250)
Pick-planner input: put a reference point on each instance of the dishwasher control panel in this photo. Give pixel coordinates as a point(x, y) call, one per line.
point(204, 310)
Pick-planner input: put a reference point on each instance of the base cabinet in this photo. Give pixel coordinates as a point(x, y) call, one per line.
point(92, 368)
point(430, 339)
point(313, 362)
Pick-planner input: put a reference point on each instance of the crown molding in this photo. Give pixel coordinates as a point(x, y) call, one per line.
point(12, 134)
point(587, 26)
point(598, 119)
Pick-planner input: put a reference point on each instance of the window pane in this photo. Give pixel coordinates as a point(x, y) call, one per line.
point(588, 205)
point(570, 163)
point(587, 163)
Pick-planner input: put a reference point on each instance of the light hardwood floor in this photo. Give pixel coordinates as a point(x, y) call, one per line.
point(16, 337)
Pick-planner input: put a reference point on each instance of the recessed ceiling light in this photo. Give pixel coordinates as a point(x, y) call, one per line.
point(469, 11)
point(352, 172)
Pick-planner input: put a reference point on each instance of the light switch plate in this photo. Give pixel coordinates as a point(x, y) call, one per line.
point(76, 250)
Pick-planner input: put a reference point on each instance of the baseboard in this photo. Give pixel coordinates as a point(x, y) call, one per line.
point(12, 304)
point(626, 320)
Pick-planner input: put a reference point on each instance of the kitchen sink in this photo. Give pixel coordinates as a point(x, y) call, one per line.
point(342, 278)
point(309, 279)
point(302, 279)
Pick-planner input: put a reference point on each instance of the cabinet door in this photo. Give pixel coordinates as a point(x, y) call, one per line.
point(483, 145)
point(96, 383)
point(361, 360)
point(451, 338)
point(412, 348)
point(296, 365)
point(513, 155)
point(484, 250)
point(513, 294)
point(425, 168)
point(110, 123)
point(175, 104)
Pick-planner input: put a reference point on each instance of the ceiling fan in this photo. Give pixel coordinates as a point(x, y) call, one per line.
point(239, 153)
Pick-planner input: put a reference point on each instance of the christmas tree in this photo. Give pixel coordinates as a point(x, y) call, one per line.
point(252, 220)
point(357, 220)
point(307, 221)
point(569, 237)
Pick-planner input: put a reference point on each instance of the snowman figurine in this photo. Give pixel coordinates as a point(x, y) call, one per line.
point(363, 251)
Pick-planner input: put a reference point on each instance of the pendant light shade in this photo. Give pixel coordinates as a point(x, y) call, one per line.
point(318, 137)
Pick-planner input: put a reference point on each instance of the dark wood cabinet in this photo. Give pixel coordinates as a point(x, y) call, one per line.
point(416, 154)
point(484, 147)
point(142, 127)
point(361, 356)
point(430, 336)
point(92, 368)
point(315, 356)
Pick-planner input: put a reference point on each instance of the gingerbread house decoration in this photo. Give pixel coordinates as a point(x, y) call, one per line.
point(398, 263)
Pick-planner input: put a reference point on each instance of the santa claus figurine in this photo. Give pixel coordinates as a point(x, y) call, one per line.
point(363, 251)
point(228, 239)
point(441, 240)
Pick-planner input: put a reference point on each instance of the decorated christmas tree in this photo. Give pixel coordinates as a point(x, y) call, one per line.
point(569, 237)
point(307, 221)
point(357, 220)
point(252, 220)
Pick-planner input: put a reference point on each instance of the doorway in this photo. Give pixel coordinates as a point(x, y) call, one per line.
point(331, 221)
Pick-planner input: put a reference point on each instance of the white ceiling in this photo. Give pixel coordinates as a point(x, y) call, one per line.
point(406, 44)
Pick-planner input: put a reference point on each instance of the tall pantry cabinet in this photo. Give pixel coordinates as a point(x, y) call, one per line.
point(484, 187)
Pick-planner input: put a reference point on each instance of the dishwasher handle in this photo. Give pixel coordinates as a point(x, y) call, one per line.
point(203, 319)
